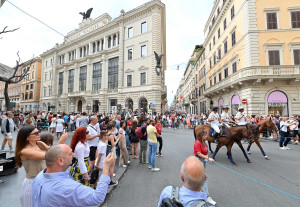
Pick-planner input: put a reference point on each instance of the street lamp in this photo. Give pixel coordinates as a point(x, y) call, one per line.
point(158, 70)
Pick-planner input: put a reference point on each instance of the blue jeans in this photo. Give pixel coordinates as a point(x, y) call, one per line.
point(284, 139)
point(152, 154)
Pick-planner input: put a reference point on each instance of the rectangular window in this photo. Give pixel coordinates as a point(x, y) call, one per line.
point(80, 51)
point(219, 33)
point(272, 20)
point(70, 56)
point(130, 32)
point(60, 82)
point(215, 59)
point(225, 72)
point(210, 63)
point(27, 87)
point(295, 19)
point(220, 76)
point(233, 40)
point(219, 53)
point(144, 27)
point(46, 63)
point(109, 42)
point(94, 47)
point(98, 46)
point(50, 91)
point(31, 86)
point(71, 81)
point(210, 82)
point(114, 40)
point(209, 46)
point(234, 68)
point(97, 76)
point(26, 96)
point(143, 79)
point(31, 95)
point(45, 76)
point(113, 70)
point(130, 54)
point(297, 57)
point(102, 44)
point(215, 79)
point(144, 51)
point(232, 12)
point(129, 80)
point(82, 78)
point(224, 24)
point(225, 47)
point(214, 40)
point(274, 58)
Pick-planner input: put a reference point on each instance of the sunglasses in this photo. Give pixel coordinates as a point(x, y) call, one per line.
point(87, 132)
point(35, 133)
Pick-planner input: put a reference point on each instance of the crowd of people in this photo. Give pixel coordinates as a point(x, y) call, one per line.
point(88, 163)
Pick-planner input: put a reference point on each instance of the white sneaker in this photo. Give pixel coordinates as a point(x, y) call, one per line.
point(287, 148)
point(11, 150)
point(296, 142)
point(114, 175)
point(128, 162)
point(211, 201)
point(149, 166)
point(124, 166)
point(283, 148)
point(155, 169)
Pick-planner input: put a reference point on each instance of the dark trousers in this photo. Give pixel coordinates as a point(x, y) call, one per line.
point(284, 139)
point(159, 139)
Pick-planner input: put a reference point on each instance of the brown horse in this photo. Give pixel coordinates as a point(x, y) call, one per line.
point(262, 126)
point(234, 134)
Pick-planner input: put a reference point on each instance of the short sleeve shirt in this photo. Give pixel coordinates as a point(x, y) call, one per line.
point(151, 134)
point(93, 131)
point(101, 148)
point(199, 148)
point(215, 117)
point(225, 116)
point(84, 121)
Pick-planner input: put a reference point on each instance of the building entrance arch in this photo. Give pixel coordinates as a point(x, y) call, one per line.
point(79, 106)
point(278, 103)
point(129, 105)
point(143, 104)
point(235, 103)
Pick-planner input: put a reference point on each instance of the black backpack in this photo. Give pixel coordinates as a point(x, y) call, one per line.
point(174, 201)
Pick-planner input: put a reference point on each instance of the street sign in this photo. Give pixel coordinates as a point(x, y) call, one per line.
point(244, 101)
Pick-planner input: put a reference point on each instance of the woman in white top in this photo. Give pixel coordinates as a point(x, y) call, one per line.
point(60, 125)
point(53, 124)
point(80, 168)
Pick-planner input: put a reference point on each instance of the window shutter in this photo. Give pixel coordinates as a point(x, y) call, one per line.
point(297, 57)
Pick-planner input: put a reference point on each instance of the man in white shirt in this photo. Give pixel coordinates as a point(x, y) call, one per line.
point(93, 139)
point(294, 130)
point(241, 119)
point(225, 117)
point(72, 122)
point(284, 138)
point(214, 120)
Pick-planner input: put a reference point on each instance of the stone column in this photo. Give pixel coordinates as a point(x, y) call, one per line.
point(76, 78)
point(104, 82)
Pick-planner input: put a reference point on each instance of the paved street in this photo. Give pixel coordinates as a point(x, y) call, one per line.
point(141, 187)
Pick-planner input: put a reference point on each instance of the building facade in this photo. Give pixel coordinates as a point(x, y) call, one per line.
point(31, 85)
point(252, 53)
point(108, 63)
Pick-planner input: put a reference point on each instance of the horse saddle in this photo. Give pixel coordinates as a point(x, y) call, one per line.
point(222, 131)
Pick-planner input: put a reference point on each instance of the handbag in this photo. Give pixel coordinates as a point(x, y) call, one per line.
point(94, 175)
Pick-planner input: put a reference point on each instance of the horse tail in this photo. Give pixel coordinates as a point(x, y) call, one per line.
point(195, 132)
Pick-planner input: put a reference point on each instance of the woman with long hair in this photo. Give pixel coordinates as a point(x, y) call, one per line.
point(80, 168)
point(53, 124)
point(201, 152)
point(134, 141)
point(123, 161)
point(60, 125)
point(29, 155)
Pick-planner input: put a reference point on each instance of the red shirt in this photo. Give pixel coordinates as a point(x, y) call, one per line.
point(199, 148)
point(50, 117)
point(158, 129)
point(129, 124)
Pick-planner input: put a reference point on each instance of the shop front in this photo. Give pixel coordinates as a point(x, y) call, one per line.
point(278, 104)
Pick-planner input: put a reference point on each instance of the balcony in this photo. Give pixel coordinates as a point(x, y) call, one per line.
point(257, 74)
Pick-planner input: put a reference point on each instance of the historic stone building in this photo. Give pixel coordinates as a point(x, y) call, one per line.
point(251, 52)
point(107, 63)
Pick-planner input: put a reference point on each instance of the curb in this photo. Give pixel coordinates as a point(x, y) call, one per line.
point(119, 174)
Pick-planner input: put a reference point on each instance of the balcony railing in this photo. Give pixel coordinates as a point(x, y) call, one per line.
point(256, 73)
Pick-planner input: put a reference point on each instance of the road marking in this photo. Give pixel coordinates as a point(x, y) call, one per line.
point(240, 174)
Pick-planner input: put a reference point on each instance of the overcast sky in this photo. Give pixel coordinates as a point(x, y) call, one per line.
point(185, 23)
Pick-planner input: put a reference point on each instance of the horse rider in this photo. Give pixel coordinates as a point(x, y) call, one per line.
point(225, 118)
point(240, 117)
point(214, 120)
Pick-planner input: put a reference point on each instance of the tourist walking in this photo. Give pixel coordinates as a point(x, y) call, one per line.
point(53, 124)
point(124, 160)
point(60, 125)
point(7, 127)
point(159, 138)
point(284, 135)
point(134, 141)
point(152, 140)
